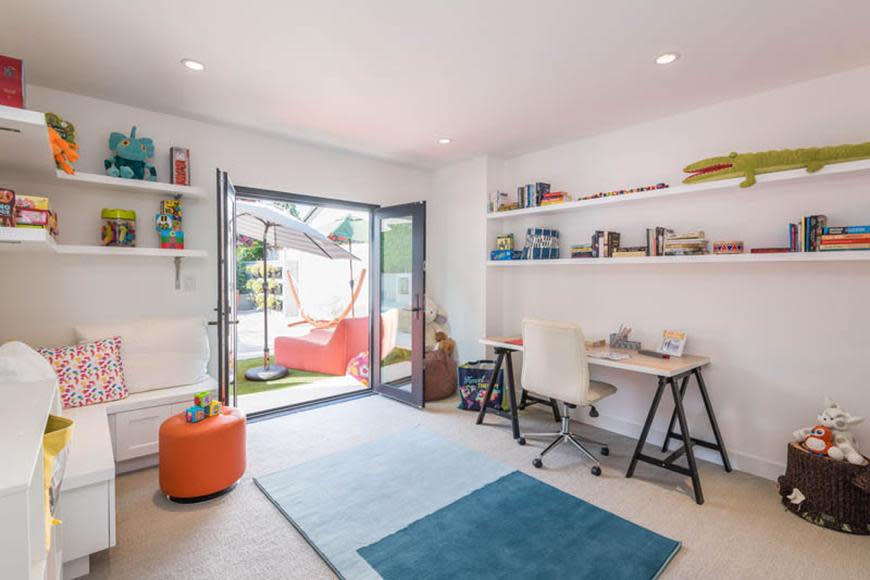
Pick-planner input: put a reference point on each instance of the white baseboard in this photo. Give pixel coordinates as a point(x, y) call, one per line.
point(137, 463)
point(77, 568)
point(741, 461)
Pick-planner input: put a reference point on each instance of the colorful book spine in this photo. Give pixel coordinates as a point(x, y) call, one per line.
point(846, 230)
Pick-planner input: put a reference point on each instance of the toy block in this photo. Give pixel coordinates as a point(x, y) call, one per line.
point(194, 414)
point(213, 409)
point(202, 398)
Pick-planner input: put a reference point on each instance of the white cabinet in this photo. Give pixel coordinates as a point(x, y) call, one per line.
point(136, 431)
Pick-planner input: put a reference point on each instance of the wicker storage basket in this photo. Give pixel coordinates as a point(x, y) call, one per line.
point(837, 492)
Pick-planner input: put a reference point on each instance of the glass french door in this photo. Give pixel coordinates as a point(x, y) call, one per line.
point(227, 299)
point(399, 298)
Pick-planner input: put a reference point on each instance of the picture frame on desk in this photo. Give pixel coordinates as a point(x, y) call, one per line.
point(673, 343)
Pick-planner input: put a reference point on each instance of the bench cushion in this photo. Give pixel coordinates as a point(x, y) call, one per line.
point(157, 353)
point(155, 397)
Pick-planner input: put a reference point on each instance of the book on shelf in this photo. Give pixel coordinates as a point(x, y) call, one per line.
point(532, 194)
point(655, 240)
point(685, 244)
point(770, 250)
point(806, 235)
point(582, 251)
point(838, 230)
point(833, 247)
point(630, 252)
point(604, 243)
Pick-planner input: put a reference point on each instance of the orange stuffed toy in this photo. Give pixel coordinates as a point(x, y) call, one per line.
point(64, 152)
point(819, 440)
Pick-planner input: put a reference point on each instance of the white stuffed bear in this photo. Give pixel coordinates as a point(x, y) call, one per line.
point(436, 319)
point(838, 421)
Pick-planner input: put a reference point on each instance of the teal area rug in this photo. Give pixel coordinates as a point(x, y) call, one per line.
point(414, 505)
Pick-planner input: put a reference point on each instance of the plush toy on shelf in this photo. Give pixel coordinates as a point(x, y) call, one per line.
point(130, 155)
point(831, 436)
point(62, 137)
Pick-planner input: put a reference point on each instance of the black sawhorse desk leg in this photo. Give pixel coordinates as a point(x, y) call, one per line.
point(685, 436)
point(503, 357)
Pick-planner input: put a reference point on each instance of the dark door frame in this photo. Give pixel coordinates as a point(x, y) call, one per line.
point(273, 195)
point(417, 211)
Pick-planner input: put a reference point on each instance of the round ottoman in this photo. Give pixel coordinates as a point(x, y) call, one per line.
point(199, 461)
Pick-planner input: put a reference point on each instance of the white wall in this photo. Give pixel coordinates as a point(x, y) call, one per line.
point(455, 242)
point(782, 336)
point(45, 296)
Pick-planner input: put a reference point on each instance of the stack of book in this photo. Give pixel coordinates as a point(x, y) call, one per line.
point(687, 244)
point(845, 238)
point(604, 243)
point(655, 240)
point(630, 252)
point(806, 236)
point(554, 197)
point(582, 251)
point(532, 194)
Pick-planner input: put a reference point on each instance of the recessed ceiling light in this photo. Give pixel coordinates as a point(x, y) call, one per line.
point(445, 140)
point(667, 58)
point(193, 64)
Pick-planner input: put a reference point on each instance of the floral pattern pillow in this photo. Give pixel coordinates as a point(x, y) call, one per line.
point(88, 373)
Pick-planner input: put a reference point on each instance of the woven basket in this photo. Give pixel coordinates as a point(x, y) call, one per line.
point(837, 492)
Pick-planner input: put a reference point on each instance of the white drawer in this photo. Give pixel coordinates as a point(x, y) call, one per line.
point(136, 432)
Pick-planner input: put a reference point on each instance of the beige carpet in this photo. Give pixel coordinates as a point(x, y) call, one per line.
point(740, 532)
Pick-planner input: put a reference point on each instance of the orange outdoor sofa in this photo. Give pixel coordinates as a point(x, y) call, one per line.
point(328, 350)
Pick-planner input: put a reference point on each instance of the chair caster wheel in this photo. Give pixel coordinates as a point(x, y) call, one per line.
point(537, 462)
point(596, 471)
point(593, 412)
point(605, 451)
point(521, 441)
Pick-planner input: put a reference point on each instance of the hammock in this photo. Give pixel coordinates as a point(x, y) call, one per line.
point(318, 323)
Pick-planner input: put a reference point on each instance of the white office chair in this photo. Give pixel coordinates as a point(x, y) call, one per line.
point(555, 366)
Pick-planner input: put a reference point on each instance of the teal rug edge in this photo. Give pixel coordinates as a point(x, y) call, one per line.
point(597, 542)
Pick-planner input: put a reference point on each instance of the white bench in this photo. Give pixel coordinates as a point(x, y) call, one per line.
point(110, 438)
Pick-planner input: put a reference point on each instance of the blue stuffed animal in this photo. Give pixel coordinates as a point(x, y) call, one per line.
point(130, 156)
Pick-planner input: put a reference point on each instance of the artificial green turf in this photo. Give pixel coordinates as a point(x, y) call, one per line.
point(293, 379)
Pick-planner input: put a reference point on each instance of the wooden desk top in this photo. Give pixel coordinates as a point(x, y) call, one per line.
point(638, 363)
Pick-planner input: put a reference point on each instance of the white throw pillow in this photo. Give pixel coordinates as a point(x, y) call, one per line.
point(157, 353)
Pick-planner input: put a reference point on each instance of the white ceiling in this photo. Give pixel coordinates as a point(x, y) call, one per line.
point(389, 77)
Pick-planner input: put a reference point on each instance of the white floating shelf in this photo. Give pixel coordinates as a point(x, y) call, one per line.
point(24, 142)
point(38, 240)
point(853, 167)
point(25, 240)
point(121, 251)
point(847, 256)
point(108, 183)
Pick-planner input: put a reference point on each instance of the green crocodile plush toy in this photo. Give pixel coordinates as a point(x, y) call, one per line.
point(748, 165)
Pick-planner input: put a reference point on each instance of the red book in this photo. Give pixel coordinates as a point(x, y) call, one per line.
point(845, 240)
point(11, 82)
point(770, 250)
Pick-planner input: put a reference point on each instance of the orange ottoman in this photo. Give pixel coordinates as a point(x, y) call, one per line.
point(199, 461)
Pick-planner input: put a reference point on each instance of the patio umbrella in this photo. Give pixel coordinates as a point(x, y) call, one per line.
point(348, 230)
point(264, 221)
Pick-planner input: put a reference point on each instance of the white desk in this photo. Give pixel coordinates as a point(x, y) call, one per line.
point(668, 372)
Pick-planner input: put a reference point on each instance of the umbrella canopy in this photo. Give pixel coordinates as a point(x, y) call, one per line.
point(350, 230)
point(284, 231)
